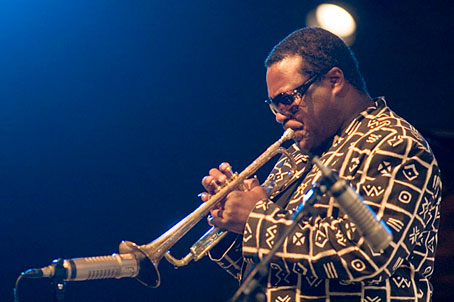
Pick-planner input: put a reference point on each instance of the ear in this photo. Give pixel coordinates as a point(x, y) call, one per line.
point(336, 80)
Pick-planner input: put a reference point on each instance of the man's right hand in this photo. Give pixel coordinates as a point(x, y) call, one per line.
point(232, 212)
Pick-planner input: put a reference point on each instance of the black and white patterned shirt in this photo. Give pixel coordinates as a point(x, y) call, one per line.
point(325, 259)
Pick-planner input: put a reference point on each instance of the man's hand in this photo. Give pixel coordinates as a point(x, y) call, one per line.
point(232, 212)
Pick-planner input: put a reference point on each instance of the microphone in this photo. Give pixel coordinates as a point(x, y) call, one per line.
point(90, 268)
point(375, 232)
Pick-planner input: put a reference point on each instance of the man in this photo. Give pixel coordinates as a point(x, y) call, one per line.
point(316, 89)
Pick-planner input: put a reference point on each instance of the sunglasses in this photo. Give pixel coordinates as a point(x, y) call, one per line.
point(288, 97)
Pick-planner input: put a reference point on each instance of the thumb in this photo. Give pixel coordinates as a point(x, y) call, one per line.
point(252, 182)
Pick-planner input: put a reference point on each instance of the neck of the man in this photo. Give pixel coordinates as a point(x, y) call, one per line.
point(355, 102)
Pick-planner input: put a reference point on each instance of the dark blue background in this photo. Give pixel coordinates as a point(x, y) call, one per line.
point(112, 111)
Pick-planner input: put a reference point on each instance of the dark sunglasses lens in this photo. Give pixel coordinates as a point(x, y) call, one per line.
point(283, 99)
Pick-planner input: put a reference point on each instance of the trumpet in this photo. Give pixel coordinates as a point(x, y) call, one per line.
point(150, 254)
point(141, 261)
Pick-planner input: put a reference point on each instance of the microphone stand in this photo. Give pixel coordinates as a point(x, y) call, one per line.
point(251, 289)
point(375, 232)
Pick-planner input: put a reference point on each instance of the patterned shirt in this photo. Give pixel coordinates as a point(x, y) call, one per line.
point(390, 164)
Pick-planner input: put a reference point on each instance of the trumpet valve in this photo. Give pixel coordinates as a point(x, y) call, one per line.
point(215, 185)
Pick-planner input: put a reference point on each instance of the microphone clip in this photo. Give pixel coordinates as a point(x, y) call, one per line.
point(58, 280)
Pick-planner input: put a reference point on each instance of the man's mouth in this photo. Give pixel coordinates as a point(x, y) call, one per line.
point(294, 125)
point(299, 132)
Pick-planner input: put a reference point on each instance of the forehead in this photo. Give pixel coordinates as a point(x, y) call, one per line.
point(284, 75)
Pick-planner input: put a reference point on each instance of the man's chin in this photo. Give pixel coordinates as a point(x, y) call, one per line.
point(307, 145)
point(304, 145)
point(315, 147)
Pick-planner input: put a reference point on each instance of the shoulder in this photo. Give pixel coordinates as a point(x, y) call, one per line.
point(383, 129)
point(379, 137)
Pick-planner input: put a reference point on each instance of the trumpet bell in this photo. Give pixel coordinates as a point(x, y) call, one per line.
point(148, 274)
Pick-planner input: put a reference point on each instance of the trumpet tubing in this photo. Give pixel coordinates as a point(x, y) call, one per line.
point(150, 254)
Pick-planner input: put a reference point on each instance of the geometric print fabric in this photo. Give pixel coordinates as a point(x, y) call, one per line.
point(325, 259)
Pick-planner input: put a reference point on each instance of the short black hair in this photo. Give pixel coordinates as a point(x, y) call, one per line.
point(321, 50)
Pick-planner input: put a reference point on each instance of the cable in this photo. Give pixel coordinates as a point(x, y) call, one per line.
point(16, 296)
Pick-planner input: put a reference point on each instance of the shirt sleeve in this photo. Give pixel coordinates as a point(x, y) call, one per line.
point(401, 184)
point(228, 254)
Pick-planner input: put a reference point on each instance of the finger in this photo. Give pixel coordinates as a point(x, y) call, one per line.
point(204, 196)
point(216, 213)
point(252, 182)
point(218, 176)
point(210, 184)
point(206, 183)
point(217, 221)
point(209, 220)
point(226, 169)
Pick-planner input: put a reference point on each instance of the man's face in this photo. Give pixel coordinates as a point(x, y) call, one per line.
point(314, 116)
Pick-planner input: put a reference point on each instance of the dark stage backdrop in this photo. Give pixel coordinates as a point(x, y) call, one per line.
point(112, 111)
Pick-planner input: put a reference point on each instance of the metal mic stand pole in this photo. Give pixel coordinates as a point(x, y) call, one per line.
point(251, 287)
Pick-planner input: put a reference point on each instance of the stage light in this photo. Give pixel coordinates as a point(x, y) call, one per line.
point(335, 19)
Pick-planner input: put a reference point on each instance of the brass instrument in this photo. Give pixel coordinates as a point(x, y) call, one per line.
point(150, 254)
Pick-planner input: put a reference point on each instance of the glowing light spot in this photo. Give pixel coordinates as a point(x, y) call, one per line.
point(335, 19)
